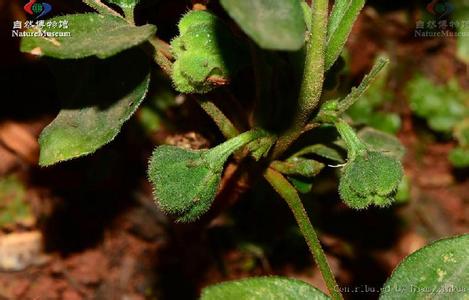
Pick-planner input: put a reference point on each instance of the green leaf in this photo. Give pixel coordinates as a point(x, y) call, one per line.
point(186, 181)
point(323, 151)
point(302, 185)
point(98, 97)
point(382, 142)
point(263, 288)
point(437, 271)
point(443, 106)
point(272, 24)
point(91, 34)
point(124, 3)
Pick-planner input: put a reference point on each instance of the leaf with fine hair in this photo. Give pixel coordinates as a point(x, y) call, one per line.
point(91, 34)
point(98, 96)
point(263, 288)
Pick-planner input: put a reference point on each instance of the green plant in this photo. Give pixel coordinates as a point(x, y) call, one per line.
point(446, 109)
point(106, 85)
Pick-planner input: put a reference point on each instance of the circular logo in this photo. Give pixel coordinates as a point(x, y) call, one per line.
point(37, 8)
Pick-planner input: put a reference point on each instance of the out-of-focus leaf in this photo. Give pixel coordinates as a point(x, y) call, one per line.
point(91, 34)
point(272, 24)
point(437, 271)
point(263, 288)
point(98, 97)
point(302, 185)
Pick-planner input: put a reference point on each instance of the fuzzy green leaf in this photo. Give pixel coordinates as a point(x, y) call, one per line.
point(263, 288)
point(437, 271)
point(272, 24)
point(98, 97)
point(298, 166)
point(91, 34)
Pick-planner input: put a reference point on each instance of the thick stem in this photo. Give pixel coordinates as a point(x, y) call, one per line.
point(290, 195)
point(347, 133)
point(129, 14)
point(313, 77)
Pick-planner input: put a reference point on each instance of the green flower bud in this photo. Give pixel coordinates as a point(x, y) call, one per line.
point(204, 49)
point(186, 181)
point(369, 177)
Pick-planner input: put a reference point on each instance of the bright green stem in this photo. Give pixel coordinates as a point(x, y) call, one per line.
point(313, 76)
point(343, 16)
point(223, 123)
point(356, 93)
point(218, 155)
point(290, 195)
point(101, 8)
point(353, 143)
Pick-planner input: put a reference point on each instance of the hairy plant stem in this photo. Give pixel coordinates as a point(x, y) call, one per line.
point(290, 195)
point(223, 123)
point(313, 77)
